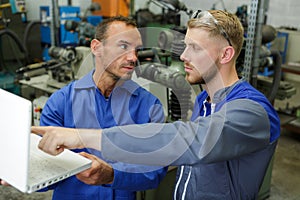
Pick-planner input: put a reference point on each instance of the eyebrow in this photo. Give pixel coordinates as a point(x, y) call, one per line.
point(192, 43)
point(188, 41)
point(124, 42)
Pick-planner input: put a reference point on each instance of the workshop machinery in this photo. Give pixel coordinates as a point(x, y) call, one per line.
point(64, 26)
point(63, 67)
point(13, 53)
point(49, 76)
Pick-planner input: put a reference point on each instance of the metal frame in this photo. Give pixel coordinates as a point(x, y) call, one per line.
point(253, 40)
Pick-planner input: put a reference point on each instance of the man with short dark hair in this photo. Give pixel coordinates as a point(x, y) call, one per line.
point(103, 98)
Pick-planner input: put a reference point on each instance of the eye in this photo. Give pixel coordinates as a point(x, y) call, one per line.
point(124, 46)
point(195, 47)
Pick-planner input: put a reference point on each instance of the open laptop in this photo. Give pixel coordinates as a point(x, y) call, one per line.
point(22, 164)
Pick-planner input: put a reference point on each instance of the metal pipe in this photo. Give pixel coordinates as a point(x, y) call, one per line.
point(54, 23)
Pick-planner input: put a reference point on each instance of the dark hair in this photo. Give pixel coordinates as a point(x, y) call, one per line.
point(102, 27)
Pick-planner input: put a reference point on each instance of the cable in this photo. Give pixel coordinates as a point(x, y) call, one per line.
point(277, 75)
point(14, 36)
point(26, 35)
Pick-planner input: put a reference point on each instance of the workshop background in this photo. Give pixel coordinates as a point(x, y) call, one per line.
point(44, 43)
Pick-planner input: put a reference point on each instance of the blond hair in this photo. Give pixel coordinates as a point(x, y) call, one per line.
point(230, 24)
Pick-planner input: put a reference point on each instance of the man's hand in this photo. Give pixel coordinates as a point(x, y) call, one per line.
point(56, 139)
point(99, 173)
point(2, 182)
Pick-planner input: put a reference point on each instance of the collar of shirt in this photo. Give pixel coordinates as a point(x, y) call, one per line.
point(87, 82)
point(221, 94)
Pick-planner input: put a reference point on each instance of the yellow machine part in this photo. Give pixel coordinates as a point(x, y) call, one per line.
point(113, 8)
point(2, 6)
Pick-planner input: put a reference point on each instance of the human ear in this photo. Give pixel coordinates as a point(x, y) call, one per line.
point(227, 54)
point(95, 47)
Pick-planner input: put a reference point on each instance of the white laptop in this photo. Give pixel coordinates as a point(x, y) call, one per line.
point(22, 164)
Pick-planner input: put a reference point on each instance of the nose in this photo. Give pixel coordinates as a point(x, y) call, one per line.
point(132, 55)
point(183, 55)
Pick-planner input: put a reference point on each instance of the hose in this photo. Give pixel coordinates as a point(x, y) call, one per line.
point(19, 43)
point(27, 31)
point(276, 75)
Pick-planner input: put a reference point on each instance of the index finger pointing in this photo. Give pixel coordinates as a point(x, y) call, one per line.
point(38, 130)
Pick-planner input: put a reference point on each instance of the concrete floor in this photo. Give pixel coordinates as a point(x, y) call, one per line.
point(285, 182)
point(9, 193)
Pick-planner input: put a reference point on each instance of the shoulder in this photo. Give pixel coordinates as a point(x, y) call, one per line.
point(63, 93)
point(249, 98)
point(245, 90)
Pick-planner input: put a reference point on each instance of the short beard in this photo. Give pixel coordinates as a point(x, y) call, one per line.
point(125, 77)
point(208, 76)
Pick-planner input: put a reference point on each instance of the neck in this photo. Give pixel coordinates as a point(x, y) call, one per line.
point(222, 80)
point(105, 83)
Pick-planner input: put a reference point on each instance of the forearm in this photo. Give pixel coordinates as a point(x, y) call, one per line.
point(90, 138)
point(231, 132)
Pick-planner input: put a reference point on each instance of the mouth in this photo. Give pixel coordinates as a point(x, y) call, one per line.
point(188, 69)
point(128, 68)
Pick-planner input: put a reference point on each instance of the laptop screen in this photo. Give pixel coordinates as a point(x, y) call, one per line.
point(15, 150)
point(15, 124)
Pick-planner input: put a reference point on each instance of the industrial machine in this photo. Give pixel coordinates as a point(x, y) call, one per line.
point(86, 27)
point(53, 34)
point(49, 76)
point(13, 54)
point(162, 65)
point(64, 60)
point(65, 37)
point(159, 61)
point(64, 26)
